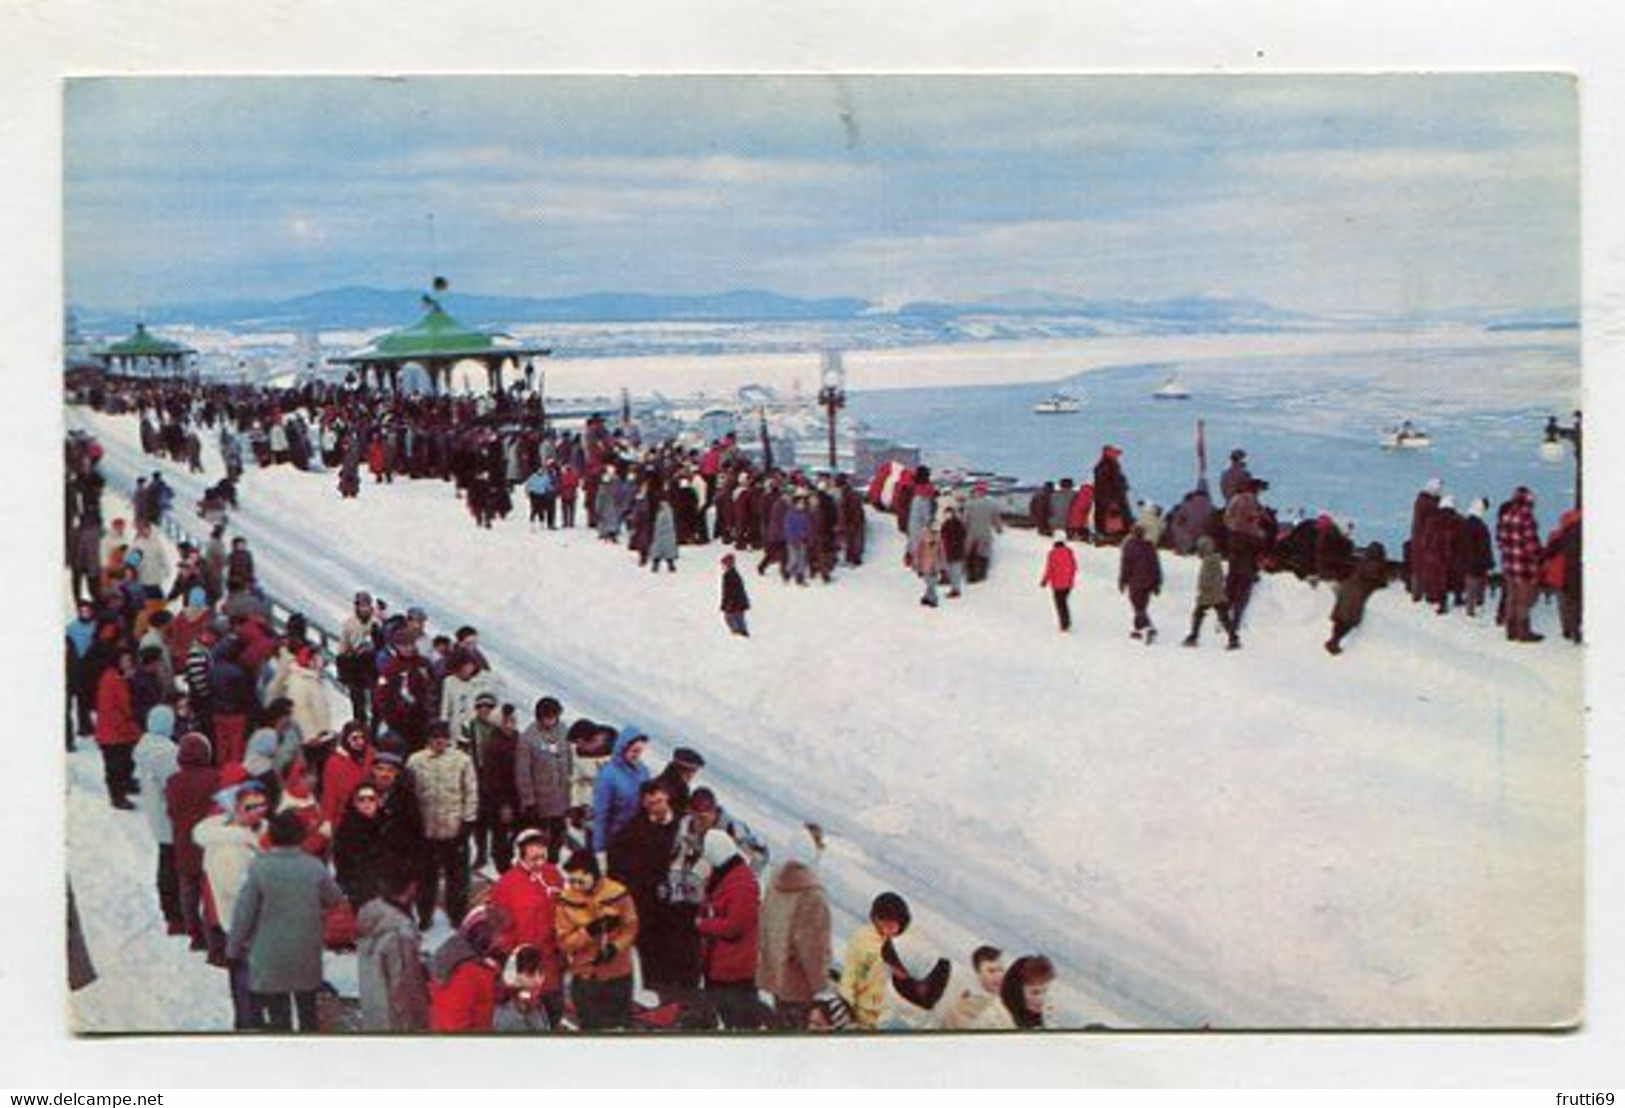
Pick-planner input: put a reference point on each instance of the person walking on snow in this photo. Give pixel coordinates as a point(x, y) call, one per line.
point(1210, 594)
point(735, 601)
point(1060, 572)
point(1140, 576)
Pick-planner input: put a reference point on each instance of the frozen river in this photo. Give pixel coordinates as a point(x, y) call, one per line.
point(1310, 425)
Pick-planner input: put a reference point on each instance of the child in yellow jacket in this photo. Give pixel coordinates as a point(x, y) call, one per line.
point(864, 973)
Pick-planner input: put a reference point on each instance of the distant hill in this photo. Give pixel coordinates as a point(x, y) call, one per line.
point(362, 308)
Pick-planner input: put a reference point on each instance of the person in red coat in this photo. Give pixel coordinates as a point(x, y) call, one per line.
point(463, 975)
point(1060, 573)
point(525, 895)
point(1078, 511)
point(189, 796)
point(350, 764)
point(729, 931)
point(117, 731)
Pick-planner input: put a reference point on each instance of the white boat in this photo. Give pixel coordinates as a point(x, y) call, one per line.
point(1405, 437)
point(1172, 389)
point(1058, 403)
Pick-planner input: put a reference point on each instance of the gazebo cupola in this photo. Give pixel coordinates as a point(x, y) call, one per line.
point(144, 352)
point(437, 342)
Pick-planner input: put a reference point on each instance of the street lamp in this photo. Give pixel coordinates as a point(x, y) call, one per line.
point(832, 396)
point(1551, 450)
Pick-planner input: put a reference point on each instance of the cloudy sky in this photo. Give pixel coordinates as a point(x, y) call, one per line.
point(1361, 194)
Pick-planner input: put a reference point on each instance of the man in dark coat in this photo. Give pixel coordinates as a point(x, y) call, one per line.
point(678, 776)
point(1440, 554)
point(1111, 496)
point(639, 858)
point(735, 601)
point(1427, 502)
point(1140, 576)
point(850, 520)
point(402, 697)
point(1477, 555)
point(1040, 508)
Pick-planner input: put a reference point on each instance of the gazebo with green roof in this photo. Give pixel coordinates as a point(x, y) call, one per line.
point(437, 343)
point(144, 351)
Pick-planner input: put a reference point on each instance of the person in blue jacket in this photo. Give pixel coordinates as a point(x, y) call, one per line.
point(615, 793)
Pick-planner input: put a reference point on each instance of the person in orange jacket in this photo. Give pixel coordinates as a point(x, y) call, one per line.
point(597, 924)
point(1060, 574)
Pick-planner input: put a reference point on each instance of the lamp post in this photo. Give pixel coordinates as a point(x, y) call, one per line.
point(832, 396)
point(1551, 449)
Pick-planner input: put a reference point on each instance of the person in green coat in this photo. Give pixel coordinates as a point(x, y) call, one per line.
point(1210, 593)
point(278, 924)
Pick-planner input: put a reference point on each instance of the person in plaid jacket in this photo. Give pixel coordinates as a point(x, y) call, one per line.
point(1518, 536)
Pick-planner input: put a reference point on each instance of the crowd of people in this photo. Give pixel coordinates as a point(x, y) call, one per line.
point(566, 869)
point(663, 498)
point(1450, 557)
point(582, 890)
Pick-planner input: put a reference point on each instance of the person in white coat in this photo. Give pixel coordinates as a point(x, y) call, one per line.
point(976, 1005)
point(303, 686)
point(153, 571)
point(155, 764)
point(230, 843)
point(466, 680)
point(448, 796)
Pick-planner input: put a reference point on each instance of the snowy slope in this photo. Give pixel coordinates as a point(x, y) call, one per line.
point(1266, 838)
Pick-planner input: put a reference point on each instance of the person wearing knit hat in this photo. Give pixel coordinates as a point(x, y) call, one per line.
point(729, 925)
point(678, 776)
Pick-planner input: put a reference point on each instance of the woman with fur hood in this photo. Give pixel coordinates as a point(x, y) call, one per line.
point(794, 950)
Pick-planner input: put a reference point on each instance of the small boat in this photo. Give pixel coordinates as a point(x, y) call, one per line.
point(1405, 437)
point(1172, 389)
point(1058, 403)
